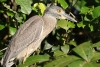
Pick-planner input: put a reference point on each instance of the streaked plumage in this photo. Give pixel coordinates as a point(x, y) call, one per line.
point(30, 35)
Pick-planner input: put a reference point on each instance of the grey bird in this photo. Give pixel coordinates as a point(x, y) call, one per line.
point(30, 35)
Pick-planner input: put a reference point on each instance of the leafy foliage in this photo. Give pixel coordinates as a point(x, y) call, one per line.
point(69, 44)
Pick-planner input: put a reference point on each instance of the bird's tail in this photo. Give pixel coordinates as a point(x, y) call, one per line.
point(7, 63)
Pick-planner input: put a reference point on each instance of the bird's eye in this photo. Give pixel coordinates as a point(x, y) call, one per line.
point(59, 10)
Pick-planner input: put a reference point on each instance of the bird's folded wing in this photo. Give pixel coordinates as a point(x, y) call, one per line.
point(26, 34)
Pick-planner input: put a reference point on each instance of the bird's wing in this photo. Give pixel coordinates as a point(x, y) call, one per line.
point(26, 34)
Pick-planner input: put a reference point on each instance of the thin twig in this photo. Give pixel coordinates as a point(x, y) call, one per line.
point(3, 49)
point(71, 14)
point(8, 7)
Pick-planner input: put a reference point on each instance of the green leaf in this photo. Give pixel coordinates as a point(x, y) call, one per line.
point(63, 3)
point(77, 63)
point(42, 7)
point(47, 45)
point(96, 12)
point(54, 48)
point(92, 64)
point(8, 7)
point(72, 43)
point(25, 5)
point(19, 19)
point(33, 59)
point(96, 56)
point(91, 27)
point(96, 44)
point(1, 54)
point(61, 61)
point(1, 27)
point(1, 11)
point(63, 24)
point(80, 24)
point(3, 1)
point(12, 30)
point(86, 18)
point(84, 10)
point(98, 1)
point(9, 13)
point(65, 48)
point(83, 3)
point(58, 53)
point(85, 51)
point(71, 25)
point(78, 4)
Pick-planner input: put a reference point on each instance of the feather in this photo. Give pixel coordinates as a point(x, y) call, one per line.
point(26, 34)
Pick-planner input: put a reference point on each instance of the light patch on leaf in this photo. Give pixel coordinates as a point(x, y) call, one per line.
point(25, 6)
point(41, 6)
point(96, 12)
point(63, 3)
point(63, 24)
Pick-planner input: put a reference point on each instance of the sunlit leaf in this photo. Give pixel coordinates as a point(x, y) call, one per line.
point(85, 51)
point(86, 18)
point(83, 2)
point(92, 64)
point(33, 59)
point(78, 4)
point(96, 12)
point(63, 3)
point(47, 45)
point(61, 61)
point(91, 27)
point(72, 43)
point(63, 24)
point(71, 25)
point(65, 48)
point(55, 48)
point(42, 7)
point(77, 63)
point(96, 56)
point(25, 5)
point(18, 18)
point(11, 14)
point(96, 44)
point(58, 53)
point(12, 30)
point(80, 24)
point(84, 10)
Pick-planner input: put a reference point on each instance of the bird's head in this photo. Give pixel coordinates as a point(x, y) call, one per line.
point(58, 13)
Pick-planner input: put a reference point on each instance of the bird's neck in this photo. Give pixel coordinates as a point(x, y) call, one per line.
point(50, 19)
point(49, 24)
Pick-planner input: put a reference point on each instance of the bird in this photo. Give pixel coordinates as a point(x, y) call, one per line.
point(29, 36)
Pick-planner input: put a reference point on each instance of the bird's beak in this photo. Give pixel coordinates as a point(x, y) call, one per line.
point(66, 16)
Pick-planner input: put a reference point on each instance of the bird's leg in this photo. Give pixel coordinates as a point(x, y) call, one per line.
point(38, 50)
point(25, 58)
